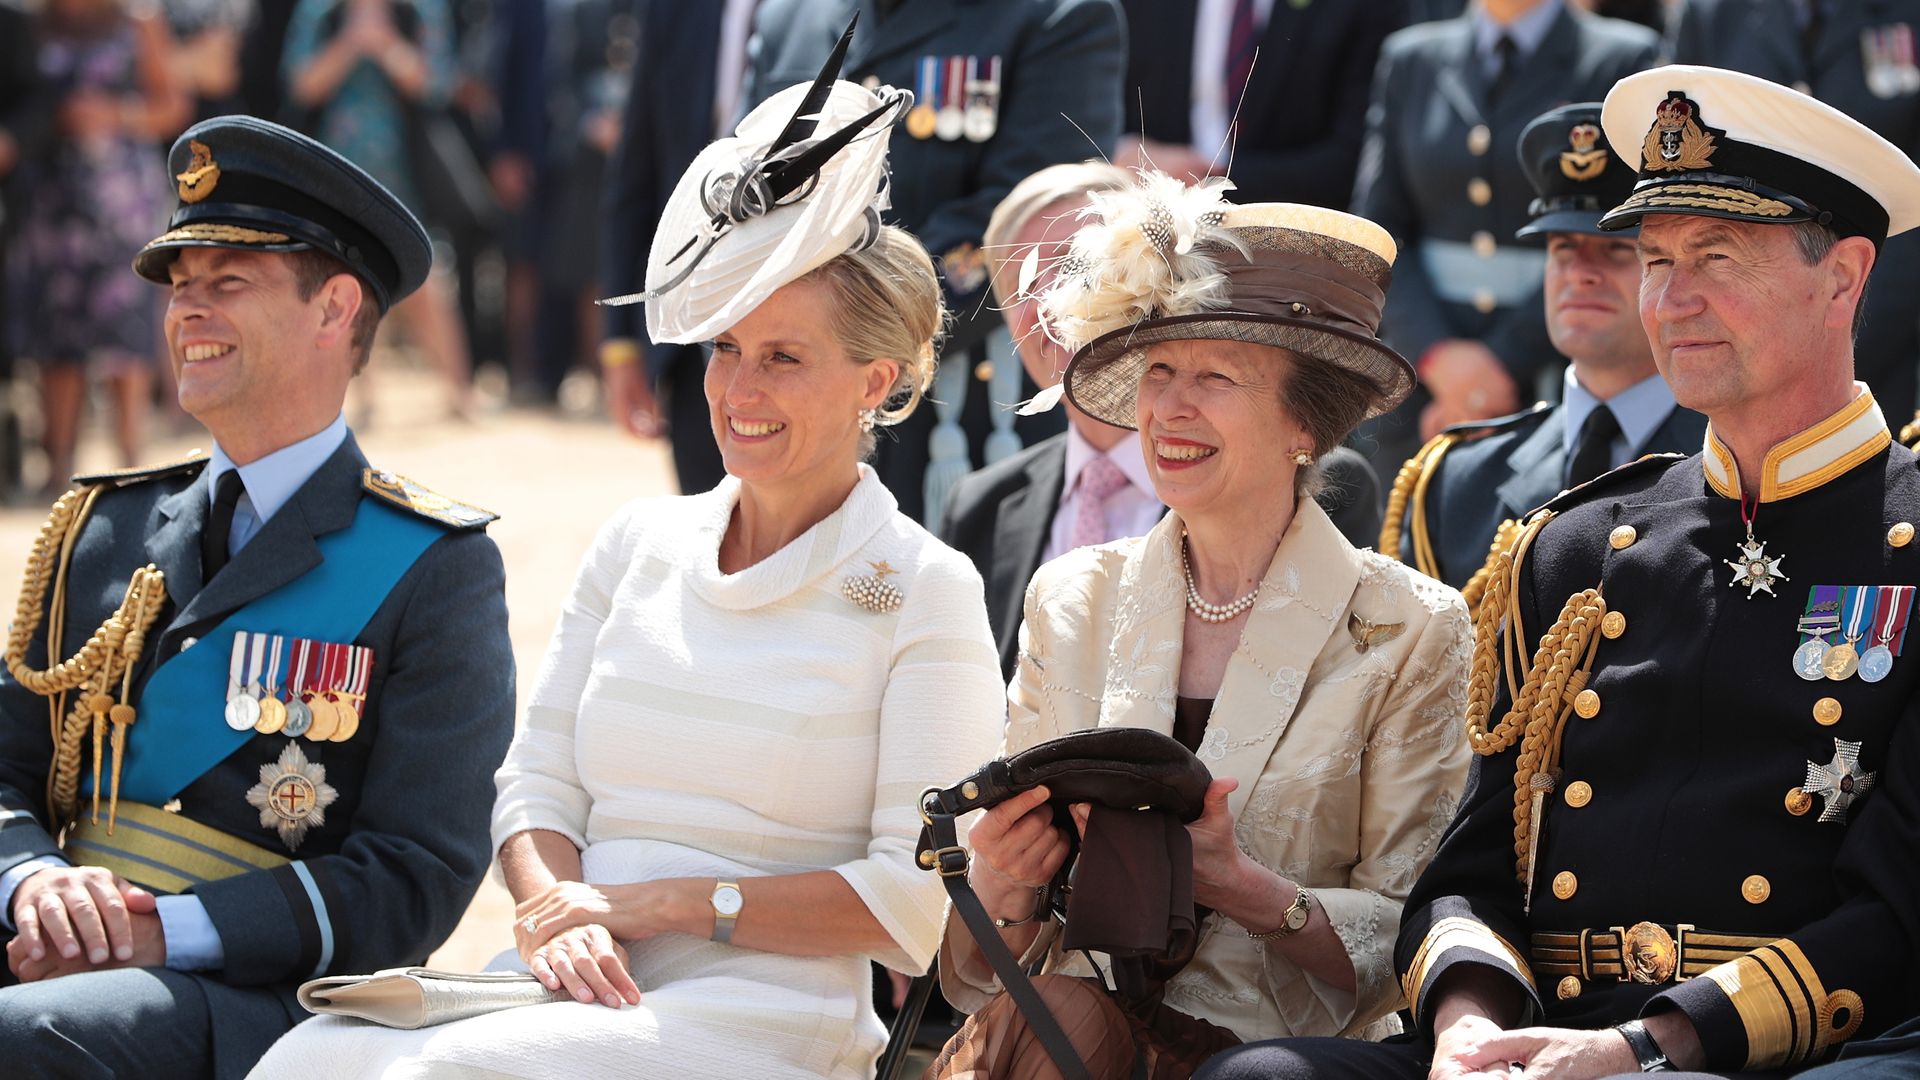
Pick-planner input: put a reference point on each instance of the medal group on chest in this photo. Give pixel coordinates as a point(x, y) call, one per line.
point(296, 687)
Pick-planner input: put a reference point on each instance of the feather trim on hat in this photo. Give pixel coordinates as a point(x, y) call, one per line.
point(1149, 254)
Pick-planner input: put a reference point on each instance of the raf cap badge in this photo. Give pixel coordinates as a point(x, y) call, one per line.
point(202, 173)
point(1678, 141)
point(1587, 158)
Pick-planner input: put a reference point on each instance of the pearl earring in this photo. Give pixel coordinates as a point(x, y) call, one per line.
point(1303, 457)
point(866, 420)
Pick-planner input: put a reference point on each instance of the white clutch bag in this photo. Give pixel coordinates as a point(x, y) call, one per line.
point(415, 997)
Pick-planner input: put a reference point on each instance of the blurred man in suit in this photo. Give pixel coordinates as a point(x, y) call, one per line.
point(1860, 59)
point(1439, 171)
point(1003, 88)
point(1088, 485)
point(684, 93)
point(1199, 100)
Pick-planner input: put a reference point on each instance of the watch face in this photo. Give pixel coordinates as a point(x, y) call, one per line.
point(1296, 918)
point(726, 900)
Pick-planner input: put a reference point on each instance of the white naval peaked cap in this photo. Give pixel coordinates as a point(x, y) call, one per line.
point(1725, 144)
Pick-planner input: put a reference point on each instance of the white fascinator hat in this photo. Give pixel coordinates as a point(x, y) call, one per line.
point(802, 179)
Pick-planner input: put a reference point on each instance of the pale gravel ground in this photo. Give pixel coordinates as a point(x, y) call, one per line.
point(552, 480)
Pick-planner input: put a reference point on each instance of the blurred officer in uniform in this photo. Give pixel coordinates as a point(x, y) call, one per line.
point(1268, 90)
point(1439, 170)
point(1002, 89)
point(1478, 480)
point(279, 679)
point(1860, 58)
point(1689, 841)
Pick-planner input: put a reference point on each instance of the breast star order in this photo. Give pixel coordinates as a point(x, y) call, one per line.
point(1754, 570)
point(1840, 780)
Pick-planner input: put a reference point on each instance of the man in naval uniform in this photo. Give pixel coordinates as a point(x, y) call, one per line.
point(1002, 89)
point(278, 680)
point(1614, 407)
point(1690, 842)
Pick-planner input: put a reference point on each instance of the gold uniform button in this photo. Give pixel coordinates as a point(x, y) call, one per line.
point(1485, 302)
point(1798, 802)
point(1579, 794)
point(1826, 712)
point(1622, 537)
point(983, 370)
point(1569, 987)
point(1586, 704)
point(1612, 625)
point(1479, 192)
point(1479, 140)
point(1565, 884)
point(1756, 889)
point(1901, 534)
point(1484, 245)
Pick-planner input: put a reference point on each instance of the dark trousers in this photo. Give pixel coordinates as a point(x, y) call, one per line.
point(134, 1022)
point(1404, 1057)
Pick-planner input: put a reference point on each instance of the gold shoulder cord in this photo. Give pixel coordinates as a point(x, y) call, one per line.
point(1910, 432)
point(1410, 485)
point(108, 657)
point(1476, 586)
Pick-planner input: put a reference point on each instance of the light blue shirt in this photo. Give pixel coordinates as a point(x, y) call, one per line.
point(1527, 32)
point(1640, 409)
point(192, 942)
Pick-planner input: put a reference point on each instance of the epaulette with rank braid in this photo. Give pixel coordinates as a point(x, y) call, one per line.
point(409, 496)
point(1910, 434)
point(1559, 669)
point(1409, 492)
point(187, 466)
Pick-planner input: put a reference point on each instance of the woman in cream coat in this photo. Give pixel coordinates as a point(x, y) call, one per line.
point(1323, 686)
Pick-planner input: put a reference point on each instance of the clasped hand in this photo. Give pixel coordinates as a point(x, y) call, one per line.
point(569, 934)
point(1476, 1048)
point(75, 918)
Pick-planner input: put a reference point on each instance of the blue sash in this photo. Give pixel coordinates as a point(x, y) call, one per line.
point(179, 733)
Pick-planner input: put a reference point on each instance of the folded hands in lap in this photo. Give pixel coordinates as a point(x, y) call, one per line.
point(77, 918)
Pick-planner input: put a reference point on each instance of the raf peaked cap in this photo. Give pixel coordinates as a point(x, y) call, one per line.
point(1575, 174)
point(1723, 144)
point(249, 184)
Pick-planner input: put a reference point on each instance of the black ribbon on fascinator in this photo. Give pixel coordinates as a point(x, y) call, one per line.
point(784, 173)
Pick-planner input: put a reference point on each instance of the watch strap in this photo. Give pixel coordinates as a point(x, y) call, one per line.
point(723, 922)
point(1303, 904)
point(1645, 1050)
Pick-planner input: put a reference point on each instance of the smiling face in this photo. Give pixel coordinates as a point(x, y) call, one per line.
point(1593, 302)
point(1216, 439)
point(783, 395)
point(254, 361)
point(1737, 315)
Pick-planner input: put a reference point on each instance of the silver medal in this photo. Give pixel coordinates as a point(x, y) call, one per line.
point(1808, 660)
point(299, 718)
point(1876, 663)
point(242, 712)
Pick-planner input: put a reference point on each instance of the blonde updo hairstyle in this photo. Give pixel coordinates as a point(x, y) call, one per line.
point(887, 304)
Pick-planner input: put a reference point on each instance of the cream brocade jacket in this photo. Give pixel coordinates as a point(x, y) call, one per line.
point(1350, 764)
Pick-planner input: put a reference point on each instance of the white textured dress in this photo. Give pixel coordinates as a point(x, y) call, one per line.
point(692, 723)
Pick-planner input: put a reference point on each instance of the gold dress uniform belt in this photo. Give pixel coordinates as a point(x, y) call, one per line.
point(1643, 953)
point(164, 852)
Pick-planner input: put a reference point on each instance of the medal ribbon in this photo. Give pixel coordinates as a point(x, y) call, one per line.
point(297, 686)
point(973, 78)
point(362, 673)
point(1822, 616)
point(953, 93)
point(928, 82)
point(273, 667)
point(1858, 611)
point(237, 667)
point(1890, 618)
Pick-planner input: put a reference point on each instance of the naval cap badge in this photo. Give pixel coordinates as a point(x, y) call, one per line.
point(1678, 141)
point(292, 795)
point(201, 174)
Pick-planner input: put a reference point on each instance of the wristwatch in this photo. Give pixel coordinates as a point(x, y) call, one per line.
point(727, 902)
point(1645, 1050)
point(1292, 920)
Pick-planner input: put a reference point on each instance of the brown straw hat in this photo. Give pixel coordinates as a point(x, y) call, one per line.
point(1167, 262)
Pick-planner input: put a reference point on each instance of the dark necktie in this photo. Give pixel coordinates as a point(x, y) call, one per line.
point(213, 539)
point(1593, 453)
point(1243, 40)
point(1505, 58)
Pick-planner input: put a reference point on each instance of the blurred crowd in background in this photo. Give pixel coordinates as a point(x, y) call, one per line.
point(532, 135)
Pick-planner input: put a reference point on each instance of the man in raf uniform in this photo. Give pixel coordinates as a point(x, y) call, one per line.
point(278, 680)
point(1438, 170)
point(1477, 481)
point(1690, 840)
point(1002, 89)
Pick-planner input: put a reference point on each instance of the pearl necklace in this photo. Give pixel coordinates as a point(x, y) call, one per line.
point(1213, 613)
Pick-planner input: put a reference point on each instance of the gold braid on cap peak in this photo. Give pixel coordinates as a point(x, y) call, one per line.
point(108, 657)
point(1415, 474)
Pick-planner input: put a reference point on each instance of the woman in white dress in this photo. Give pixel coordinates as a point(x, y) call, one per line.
point(708, 818)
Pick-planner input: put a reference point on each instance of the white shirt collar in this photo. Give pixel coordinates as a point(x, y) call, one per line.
point(273, 479)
